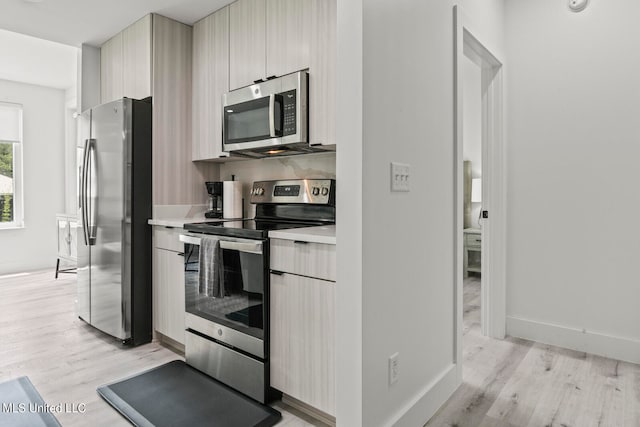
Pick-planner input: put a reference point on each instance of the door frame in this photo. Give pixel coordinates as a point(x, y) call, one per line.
point(493, 292)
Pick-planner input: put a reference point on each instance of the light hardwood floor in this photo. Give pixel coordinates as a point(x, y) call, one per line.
point(66, 360)
point(514, 383)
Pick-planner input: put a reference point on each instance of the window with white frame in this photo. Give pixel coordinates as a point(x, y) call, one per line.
point(11, 197)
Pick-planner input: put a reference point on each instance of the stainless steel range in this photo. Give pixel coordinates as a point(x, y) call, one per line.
point(227, 281)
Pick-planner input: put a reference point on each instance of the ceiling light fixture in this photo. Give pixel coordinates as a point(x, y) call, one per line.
point(578, 5)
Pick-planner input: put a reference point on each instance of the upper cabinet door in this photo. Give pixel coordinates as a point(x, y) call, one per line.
point(322, 73)
point(111, 69)
point(288, 35)
point(210, 82)
point(247, 45)
point(136, 53)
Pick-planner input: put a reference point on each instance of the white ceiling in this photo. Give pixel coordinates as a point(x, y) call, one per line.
point(74, 22)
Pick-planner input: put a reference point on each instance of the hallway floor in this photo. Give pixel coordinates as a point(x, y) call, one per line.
point(518, 383)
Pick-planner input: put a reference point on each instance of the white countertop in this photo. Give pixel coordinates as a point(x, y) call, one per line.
point(177, 215)
point(176, 222)
point(323, 234)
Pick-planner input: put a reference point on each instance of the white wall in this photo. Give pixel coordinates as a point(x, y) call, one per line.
point(37, 61)
point(486, 20)
point(35, 245)
point(573, 198)
point(349, 227)
point(407, 285)
point(472, 125)
point(321, 165)
point(395, 256)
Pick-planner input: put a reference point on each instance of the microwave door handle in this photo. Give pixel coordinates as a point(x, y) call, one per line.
point(272, 115)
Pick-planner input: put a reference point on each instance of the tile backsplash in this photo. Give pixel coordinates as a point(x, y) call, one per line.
point(318, 165)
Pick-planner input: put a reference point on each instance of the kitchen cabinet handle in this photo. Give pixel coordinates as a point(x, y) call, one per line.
point(277, 273)
point(300, 242)
point(180, 254)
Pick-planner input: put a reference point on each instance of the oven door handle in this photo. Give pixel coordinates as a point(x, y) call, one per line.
point(252, 248)
point(248, 247)
point(190, 240)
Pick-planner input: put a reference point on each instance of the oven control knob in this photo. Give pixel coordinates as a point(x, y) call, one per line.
point(253, 191)
point(259, 191)
point(325, 191)
point(315, 191)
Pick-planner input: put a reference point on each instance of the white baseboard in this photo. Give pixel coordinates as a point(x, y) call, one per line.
point(624, 349)
point(428, 401)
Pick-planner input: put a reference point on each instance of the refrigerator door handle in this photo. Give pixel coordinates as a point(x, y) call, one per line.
point(92, 209)
point(83, 192)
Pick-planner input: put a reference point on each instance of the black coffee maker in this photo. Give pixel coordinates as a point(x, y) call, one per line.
point(214, 188)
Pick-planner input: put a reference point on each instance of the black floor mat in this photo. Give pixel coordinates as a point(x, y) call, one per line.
point(176, 395)
point(22, 405)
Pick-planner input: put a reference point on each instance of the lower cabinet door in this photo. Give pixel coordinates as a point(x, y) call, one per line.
point(302, 328)
point(168, 294)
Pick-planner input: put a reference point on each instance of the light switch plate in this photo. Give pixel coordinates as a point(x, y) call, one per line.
point(400, 174)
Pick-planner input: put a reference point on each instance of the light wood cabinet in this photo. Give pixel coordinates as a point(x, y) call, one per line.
point(136, 58)
point(322, 73)
point(176, 179)
point(302, 339)
point(157, 54)
point(168, 285)
point(111, 69)
point(125, 63)
point(210, 82)
point(251, 40)
point(247, 46)
point(288, 32)
point(304, 258)
point(302, 322)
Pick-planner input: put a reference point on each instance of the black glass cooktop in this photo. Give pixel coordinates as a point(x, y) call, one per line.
point(247, 228)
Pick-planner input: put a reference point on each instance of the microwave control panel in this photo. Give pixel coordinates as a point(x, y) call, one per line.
point(289, 112)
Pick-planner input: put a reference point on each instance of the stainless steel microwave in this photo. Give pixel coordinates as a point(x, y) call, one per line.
point(268, 118)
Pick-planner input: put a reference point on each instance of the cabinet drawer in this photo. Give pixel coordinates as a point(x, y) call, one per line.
point(473, 239)
point(167, 238)
point(303, 258)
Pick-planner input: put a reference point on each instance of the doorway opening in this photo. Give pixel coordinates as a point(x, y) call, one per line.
point(480, 189)
point(472, 150)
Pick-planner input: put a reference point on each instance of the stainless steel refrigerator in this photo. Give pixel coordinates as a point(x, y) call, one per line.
point(114, 246)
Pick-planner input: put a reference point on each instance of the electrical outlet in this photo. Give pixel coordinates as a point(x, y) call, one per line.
point(394, 368)
point(400, 176)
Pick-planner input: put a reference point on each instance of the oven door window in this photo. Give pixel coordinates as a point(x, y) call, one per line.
point(251, 120)
point(239, 303)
